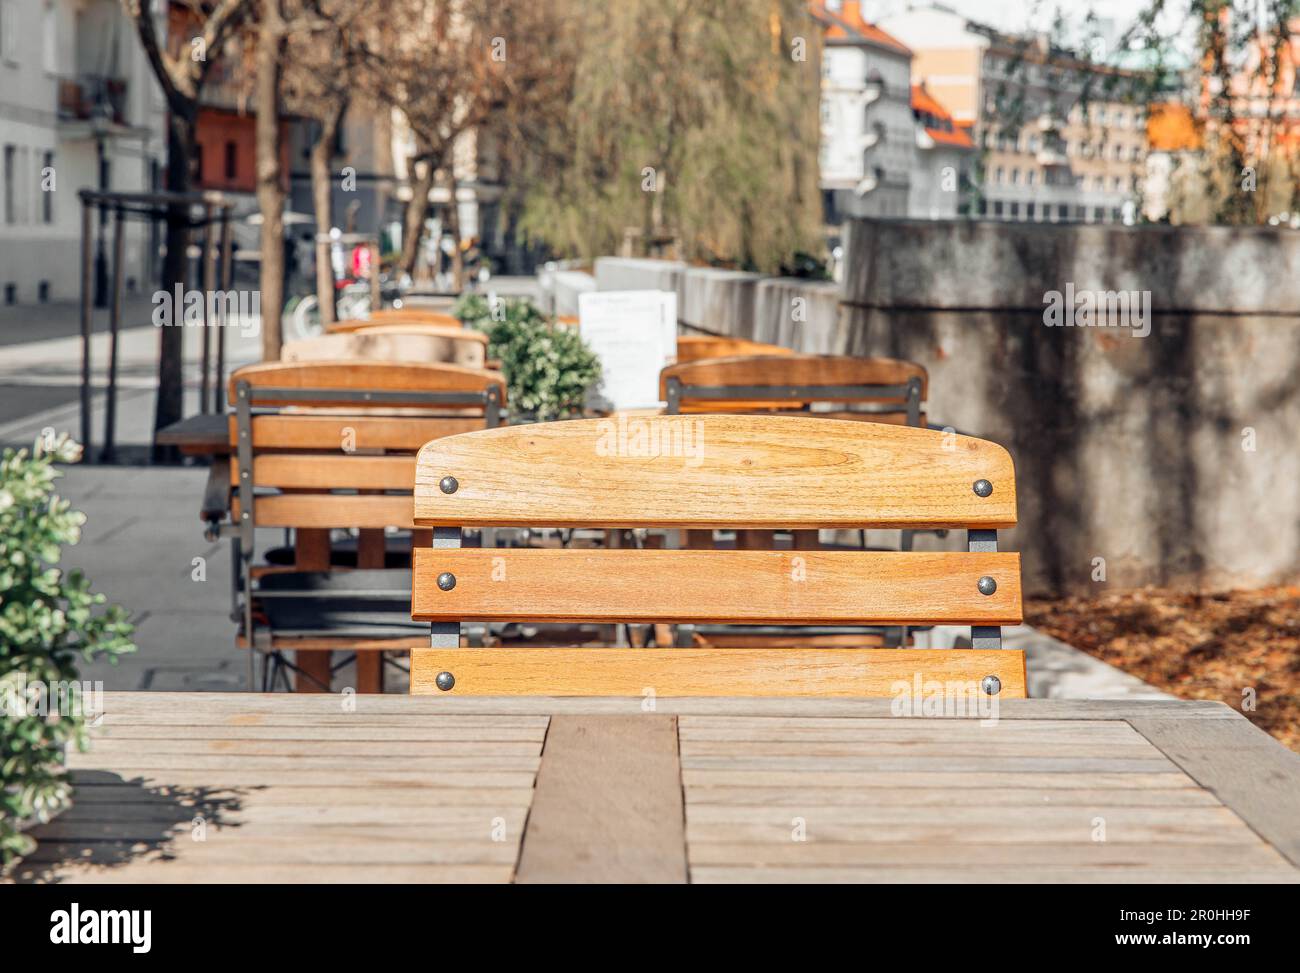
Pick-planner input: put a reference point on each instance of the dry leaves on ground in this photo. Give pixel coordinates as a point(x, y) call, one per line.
point(1239, 647)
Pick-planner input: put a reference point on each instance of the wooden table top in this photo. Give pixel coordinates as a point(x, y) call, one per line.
point(203, 434)
point(182, 787)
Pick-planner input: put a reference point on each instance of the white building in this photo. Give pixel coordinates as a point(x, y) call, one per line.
point(868, 134)
point(945, 156)
point(79, 108)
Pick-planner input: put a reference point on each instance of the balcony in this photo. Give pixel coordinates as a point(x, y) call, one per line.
point(91, 98)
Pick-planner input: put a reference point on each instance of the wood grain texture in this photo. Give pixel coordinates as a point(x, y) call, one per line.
point(777, 587)
point(766, 369)
point(711, 672)
point(336, 471)
point(693, 347)
point(1241, 765)
point(608, 806)
point(714, 471)
point(317, 431)
point(385, 344)
point(362, 377)
point(327, 511)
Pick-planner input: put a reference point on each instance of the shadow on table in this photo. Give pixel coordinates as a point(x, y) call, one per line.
point(114, 821)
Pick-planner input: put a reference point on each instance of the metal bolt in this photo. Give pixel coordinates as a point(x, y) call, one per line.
point(982, 488)
point(446, 680)
point(991, 685)
point(987, 585)
point(448, 484)
point(446, 581)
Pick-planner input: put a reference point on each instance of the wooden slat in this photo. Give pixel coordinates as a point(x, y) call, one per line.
point(1243, 766)
point(317, 431)
point(696, 346)
point(314, 510)
point(714, 471)
point(250, 709)
point(608, 807)
point(403, 315)
point(1016, 874)
point(327, 471)
point(766, 369)
point(705, 672)
point(383, 344)
point(778, 587)
point(365, 376)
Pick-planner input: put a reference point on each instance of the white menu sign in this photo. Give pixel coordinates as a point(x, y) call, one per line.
point(634, 333)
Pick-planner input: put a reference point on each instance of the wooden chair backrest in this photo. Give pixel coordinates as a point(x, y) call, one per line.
point(392, 342)
point(311, 429)
point(693, 347)
point(716, 472)
point(412, 315)
point(749, 383)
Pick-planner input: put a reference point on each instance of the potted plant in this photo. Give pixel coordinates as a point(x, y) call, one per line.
point(48, 618)
point(548, 369)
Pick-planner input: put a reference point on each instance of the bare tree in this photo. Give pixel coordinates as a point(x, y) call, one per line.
point(182, 73)
point(449, 68)
point(326, 59)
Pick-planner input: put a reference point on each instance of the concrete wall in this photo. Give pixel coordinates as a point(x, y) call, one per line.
point(1174, 458)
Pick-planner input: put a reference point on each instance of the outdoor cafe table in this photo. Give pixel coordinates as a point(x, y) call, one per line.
point(243, 788)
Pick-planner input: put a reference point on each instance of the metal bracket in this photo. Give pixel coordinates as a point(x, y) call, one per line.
point(445, 635)
point(984, 636)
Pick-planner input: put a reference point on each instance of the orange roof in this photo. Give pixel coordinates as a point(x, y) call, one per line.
point(956, 136)
point(849, 25)
point(1171, 128)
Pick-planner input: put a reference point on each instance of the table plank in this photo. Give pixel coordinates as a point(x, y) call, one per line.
point(1243, 766)
point(608, 805)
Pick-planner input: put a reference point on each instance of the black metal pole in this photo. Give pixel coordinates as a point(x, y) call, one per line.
point(114, 326)
point(87, 230)
point(227, 277)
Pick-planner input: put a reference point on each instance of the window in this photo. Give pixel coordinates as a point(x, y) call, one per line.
point(47, 197)
point(1031, 177)
point(1118, 184)
point(1099, 184)
point(1029, 210)
point(1062, 212)
point(8, 31)
point(11, 158)
point(1098, 215)
point(1015, 177)
point(232, 161)
point(997, 209)
point(1015, 211)
point(1000, 176)
point(49, 38)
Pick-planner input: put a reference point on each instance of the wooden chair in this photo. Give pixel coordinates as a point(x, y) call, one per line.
point(403, 315)
point(893, 390)
point(693, 347)
point(714, 472)
point(321, 446)
point(393, 342)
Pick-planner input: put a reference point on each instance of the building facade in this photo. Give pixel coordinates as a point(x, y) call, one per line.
point(868, 133)
point(1060, 138)
point(79, 108)
point(945, 156)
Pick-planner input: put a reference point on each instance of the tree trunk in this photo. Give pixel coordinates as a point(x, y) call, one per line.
point(322, 153)
point(453, 224)
point(417, 209)
point(181, 162)
point(270, 189)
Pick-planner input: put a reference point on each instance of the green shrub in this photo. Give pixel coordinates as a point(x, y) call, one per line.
point(47, 618)
point(547, 369)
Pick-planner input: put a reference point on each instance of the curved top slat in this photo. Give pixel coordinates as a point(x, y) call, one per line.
point(693, 347)
point(368, 376)
point(397, 316)
point(714, 471)
point(388, 344)
point(798, 370)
